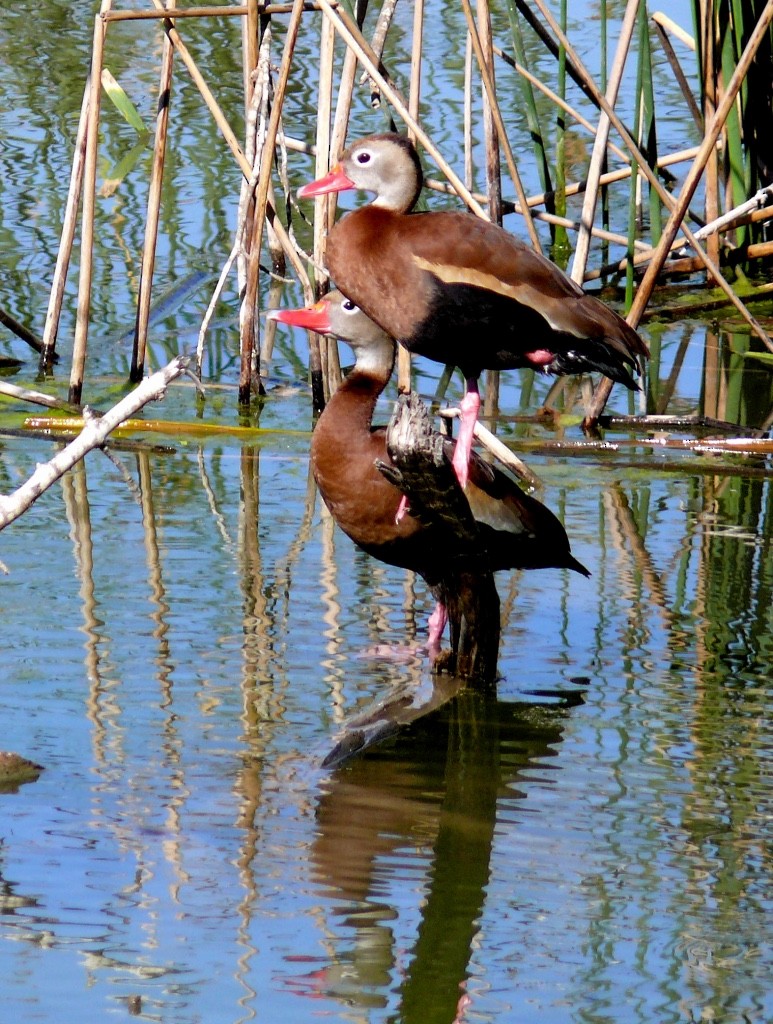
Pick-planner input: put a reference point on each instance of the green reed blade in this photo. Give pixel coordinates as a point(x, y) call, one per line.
point(122, 103)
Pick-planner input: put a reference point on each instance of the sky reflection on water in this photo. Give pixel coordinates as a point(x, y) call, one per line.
point(184, 639)
point(592, 837)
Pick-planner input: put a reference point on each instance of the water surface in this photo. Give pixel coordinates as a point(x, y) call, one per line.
point(186, 635)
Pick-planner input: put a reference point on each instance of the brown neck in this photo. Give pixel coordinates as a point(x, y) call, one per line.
point(344, 447)
point(355, 400)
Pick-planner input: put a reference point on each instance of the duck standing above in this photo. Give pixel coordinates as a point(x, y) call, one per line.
point(459, 289)
point(517, 531)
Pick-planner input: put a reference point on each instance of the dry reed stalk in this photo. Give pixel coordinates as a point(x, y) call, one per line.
point(153, 212)
point(753, 210)
point(341, 118)
point(330, 376)
point(558, 101)
point(252, 42)
point(414, 96)
point(663, 25)
point(256, 113)
point(691, 264)
point(469, 179)
point(582, 247)
point(248, 226)
point(258, 93)
point(379, 39)
point(621, 174)
point(639, 260)
point(498, 121)
point(705, 150)
point(591, 89)
point(668, 24)
point(235, 11)
point(323, 137)
point(676, 219)
point(250, 50)
point(20, 330)
point(345, 94)
point(206, 93)
point(228, 133)
point(493, 176)
point(67, 238)
point(541, 215)
point(261, 203)
point(491, 141)
point(710, 103)
point(729, 221)
point(247, 223)
point(324, 211)
point(89, 205)
point(268, 337)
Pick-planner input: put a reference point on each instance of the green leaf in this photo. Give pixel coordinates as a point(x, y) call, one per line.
point(764, 357)
point(122, 103)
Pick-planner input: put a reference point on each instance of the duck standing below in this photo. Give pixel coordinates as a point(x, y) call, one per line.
point(459, 289)
point(517, 531)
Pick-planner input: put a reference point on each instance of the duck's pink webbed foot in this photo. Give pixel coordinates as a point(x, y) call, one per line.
point(437, 623)
point(469, 408)
point(402, 508)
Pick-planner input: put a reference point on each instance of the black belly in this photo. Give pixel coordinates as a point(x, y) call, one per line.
point(478, 330)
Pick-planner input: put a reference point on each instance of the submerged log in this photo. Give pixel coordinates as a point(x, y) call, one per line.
point(422, 470)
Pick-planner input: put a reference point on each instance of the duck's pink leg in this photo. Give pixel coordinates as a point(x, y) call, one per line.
point(469, 407)
point(437, 623)
point(402, 508)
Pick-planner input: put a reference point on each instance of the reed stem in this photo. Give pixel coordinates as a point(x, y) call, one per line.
point(67, 237)
point(153, 212)
point(89, 207)
point(582, 248)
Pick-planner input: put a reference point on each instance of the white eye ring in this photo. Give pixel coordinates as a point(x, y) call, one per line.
point(348, 306)
point(363, 157)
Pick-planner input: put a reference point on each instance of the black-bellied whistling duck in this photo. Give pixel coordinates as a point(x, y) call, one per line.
point(459, 289)
point(519, 532)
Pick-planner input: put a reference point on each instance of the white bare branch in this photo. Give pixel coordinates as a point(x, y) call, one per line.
point(94, 434)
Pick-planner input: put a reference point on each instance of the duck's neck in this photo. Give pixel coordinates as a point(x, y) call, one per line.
point(355, 400)
point(397, 200)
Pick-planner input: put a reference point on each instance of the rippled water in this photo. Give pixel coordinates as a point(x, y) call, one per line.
point(590, 843)
point(185, 637)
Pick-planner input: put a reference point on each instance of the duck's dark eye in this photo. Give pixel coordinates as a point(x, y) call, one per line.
point(363, 157)
point(348, 306)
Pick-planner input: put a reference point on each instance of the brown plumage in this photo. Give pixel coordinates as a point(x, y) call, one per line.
point(461, 290)
point(518, 531)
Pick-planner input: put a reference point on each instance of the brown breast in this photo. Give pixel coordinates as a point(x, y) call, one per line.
point(344, 450)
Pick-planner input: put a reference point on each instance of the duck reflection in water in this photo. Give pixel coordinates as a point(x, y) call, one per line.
point(415, 819)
